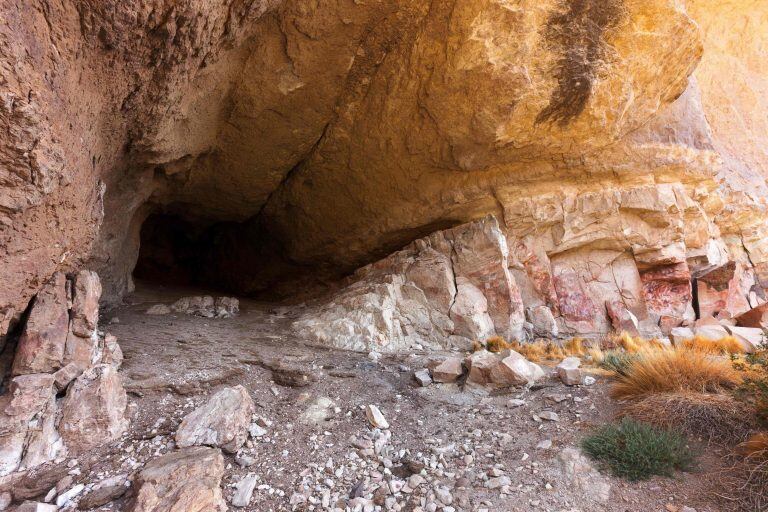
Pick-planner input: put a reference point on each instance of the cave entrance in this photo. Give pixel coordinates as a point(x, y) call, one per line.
point(239, 258)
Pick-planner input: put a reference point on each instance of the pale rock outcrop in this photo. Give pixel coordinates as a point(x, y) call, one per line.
point(442, 290)
point(543, 322)
point(221, 422)
point(93, 412)
point(188, 479)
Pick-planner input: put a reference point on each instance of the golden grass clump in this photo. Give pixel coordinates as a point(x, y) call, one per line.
point(711, 417)
point(673, 370)
point(575, 347)
point(726, 345)
point(497, 344)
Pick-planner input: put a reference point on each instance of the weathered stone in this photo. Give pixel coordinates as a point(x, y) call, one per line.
point(756, 317)
point(622, 319)
point(85, 303)
point(63, 376)
point(750, 338)
point(481, 365)
point(111, 354)
point(93, 411)
point(375, 417)
point(104, 492)
point(679, 335)
point(244, 490)
point(34, 506)
point(158, 310)
point(83, 352)
point(187, 479)
point(27, 423)
point(543, 322)
point(569, 372)
point(222, 421)
point(41, 345)
point(423, 377)
point(448, 371)
point(515, 370)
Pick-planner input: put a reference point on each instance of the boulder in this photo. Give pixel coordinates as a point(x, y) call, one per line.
point(93, 412)
point(186, 480)
point(27, 423)
point(470, 311)
point(756, 317)
point(622, 319)
point(543, 322)
point(222, 421)
point(569, 372)
point(41, 345)
point(448, 371)
point(751, 338)
point(679, 335)
point(105, 491)
point(515, 370)
point(480, 365)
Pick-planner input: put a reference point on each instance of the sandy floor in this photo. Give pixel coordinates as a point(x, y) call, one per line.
point(173, 362)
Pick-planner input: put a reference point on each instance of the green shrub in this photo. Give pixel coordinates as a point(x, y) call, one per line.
point(618, 361)
point(637, 451)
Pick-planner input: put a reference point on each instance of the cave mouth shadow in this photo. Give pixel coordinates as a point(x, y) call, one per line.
point(239, 258)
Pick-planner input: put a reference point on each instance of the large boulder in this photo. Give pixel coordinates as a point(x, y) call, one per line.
point(186, 480)
point(222, 421)
point(93, 411)
point(515, 370)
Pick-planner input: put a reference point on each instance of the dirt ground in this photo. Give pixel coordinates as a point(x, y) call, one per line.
point(311, 400)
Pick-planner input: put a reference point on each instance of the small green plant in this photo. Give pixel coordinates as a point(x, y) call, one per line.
point(618, 361)
point(637, 451)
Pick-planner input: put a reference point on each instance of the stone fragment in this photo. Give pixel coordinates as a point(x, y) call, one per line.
point(63, 376)
point(375, 417)
point(222, 421)
point(27, 423)
point(67, 496)
point(5, 500)
point(448, 371)
point(756, 317)
point(515, 370)
point(569, 372)
point(34, 506)
point(85, 303)
point(423, 377)
point(84, 352)
point(622, 319)
point(185, 480)
point(93, 412)
point(579, 474)
point(498, 482)
point(244, 490)
point(104, 492)
point(549, 416)
point(41, 345)
point(480, 365)
point(318, 412)
point(543, 322)
point(158, 310)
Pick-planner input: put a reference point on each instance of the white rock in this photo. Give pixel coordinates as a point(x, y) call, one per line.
point(244, 490)
point(375, 417)
point(67, 496)
point(569, 372)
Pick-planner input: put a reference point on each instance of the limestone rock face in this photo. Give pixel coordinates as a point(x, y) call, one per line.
point(188, 479)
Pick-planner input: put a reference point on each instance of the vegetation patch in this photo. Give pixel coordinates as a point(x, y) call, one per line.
point(676, 370)
point(713, 418)
point(638, 451)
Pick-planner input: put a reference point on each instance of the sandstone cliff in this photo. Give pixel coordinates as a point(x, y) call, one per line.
point(620, 144)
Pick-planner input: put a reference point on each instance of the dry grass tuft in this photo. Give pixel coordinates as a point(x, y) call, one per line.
point(746, 483)
point(575, 347)
point(675, 370)
point(713, 418)
point(497, 344)
point(724, 346)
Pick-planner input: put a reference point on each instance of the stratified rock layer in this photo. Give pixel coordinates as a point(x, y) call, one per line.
point(600, 133)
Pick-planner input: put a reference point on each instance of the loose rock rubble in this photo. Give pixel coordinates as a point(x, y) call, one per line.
point(60, 350)
point(205, 306)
